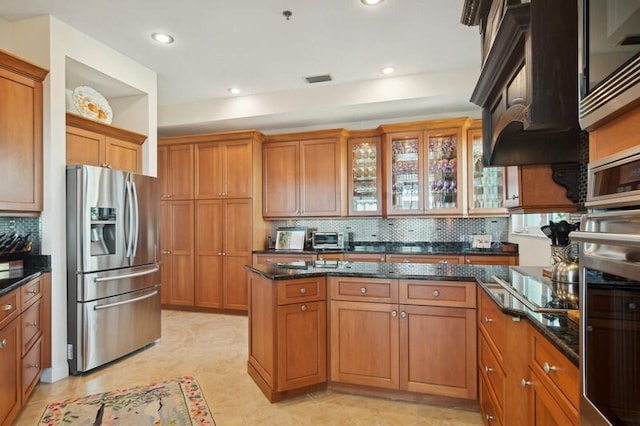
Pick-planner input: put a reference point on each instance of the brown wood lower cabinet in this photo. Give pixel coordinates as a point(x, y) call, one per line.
point(388, 334)
point(177, 249)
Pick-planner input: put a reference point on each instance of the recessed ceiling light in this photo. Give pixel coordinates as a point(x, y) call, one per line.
point(234, 90)
point(388, 70)
point(371, 2)
point(162, 38)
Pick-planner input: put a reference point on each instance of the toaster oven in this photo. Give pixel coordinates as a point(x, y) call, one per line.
point(327, 240)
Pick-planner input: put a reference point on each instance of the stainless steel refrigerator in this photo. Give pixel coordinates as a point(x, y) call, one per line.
point(113, 273)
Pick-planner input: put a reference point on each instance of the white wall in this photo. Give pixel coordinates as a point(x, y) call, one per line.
point(534, 251)
point(47, 42)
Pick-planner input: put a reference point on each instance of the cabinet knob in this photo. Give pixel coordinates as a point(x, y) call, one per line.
point(32, 324)
point(632, 306)
point(36, 366)
point(219, 253)
point(303, 308)
point(382, 259)
point(363, 290)
point(403, 314)
point(468, 260)
point(166, 252)
point(444, 262)
point(303, 290)
point(515, 197)
point(7, 307)
point(524, 383)
point(487, 320)
point(394, 313)
point(549, 368)
point(436, 293)
point(489, 417)
point(33, 292)
point(488, 369)
point(3, 343)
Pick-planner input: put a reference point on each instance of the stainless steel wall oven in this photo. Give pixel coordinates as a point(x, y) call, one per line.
point(610, 318)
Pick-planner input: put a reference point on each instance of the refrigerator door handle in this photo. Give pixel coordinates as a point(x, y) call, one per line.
point(130, 220)
point(126, 276)
point(125, 302)
point(136, 220)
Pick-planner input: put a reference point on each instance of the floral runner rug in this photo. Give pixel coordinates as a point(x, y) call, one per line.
point(171, 402)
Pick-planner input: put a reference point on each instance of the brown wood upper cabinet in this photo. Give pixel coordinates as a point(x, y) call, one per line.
point(20, 135)
point(364, 168)
point(98, 144)
point(532, 189)
point(303, 175)
point(175, 171)
point(222, 169)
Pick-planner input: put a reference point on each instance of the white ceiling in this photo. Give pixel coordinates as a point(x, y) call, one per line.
point(250, 44)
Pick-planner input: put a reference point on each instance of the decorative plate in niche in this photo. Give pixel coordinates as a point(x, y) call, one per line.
point(91, 104)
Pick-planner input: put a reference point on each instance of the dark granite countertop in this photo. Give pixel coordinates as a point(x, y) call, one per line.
point(555, 327)
point(34, 265)
point(426, 248)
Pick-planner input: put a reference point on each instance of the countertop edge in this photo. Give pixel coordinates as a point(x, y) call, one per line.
point(24, 280)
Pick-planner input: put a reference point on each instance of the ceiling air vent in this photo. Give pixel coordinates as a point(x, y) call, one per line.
point(318, 78)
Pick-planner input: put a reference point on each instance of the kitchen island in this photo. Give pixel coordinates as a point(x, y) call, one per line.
point(397, 330)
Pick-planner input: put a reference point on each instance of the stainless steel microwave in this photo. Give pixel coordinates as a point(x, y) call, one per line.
point(328, 240)
point(614, 181)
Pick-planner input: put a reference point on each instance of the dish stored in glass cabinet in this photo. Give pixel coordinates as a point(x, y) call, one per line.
point(365, 186)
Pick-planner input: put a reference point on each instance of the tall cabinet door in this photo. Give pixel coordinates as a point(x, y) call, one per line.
point(237, 252)
point(320, 177)
point(443, 154)
point(209, 253)
point(237, 169)
point(181, 256)
point(208, 170)
point(280, 179)
point(364, 171)
point(180, 172)
point(404, 176)
point(165, 252)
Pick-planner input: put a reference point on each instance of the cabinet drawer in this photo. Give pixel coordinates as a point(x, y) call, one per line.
point(490, 415)
point(401, 258)
point(9, 307)
point(553, 367)
point(302, 290)
point(268, 259)
point(31, 322)
point(364, 289)
point(31, 369)
point(491, 370)
point(438, 293)
point(492, 322)
point(31, 292)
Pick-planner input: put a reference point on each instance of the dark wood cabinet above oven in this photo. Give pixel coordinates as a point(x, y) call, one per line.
point(528, 86)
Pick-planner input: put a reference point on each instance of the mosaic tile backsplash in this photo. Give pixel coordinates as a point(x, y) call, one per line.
point(23, 226)
point(408, 229)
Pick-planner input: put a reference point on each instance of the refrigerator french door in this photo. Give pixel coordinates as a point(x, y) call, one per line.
point(113, 276)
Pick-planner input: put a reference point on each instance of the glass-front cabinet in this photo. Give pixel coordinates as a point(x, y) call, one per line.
point(423, 172)
point(365, 181)
point(486, 184)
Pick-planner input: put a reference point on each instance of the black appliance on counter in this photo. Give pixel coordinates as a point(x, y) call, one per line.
point(610, 318)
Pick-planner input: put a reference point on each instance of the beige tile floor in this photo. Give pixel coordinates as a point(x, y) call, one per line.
point(213, 349)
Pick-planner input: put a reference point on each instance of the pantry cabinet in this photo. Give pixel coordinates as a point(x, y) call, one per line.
point(304, 175)
point(177, 251)
point(222, 169)
point(20, 135)
point(99, 144)
point(175, 171)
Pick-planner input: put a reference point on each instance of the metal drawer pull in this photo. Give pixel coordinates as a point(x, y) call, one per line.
point(403, 314)
point(436, 293)
point(125, 302)
point(3, 343)
point(33, 292)
point(443, 262)
point(36, 366)
point(524, 383)
point(394, 313)
point(303, 290)
point(489, 417)
point(549, 368)
point(7, 307)
point(32, 324)
point(303, 308)
point(126, 276)
point(488, 369)
point(488, 320)
point(363, 290)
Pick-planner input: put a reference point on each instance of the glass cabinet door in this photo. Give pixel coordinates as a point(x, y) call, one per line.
point(404, 174)
point(486, 184)
point(365, 186)
point(443, 173)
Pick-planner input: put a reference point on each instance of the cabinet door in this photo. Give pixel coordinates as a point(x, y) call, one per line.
point(404, 178)
point(209, 253)
point(443, 171)
point(438, 351)
point(123, 155)
point(10, 377)
point(237, 252)
point(531, 188)
point(20, 143)
point(165, 252)
point(180, 172)
point(163, 171)
point(280, 179)
point(364, 167)
point(208, 172)
point(85, 147)
point(237, 169)
point(486, 184)
point(364, 344)
point(320, 177)
point(490, 260)
point(544, 408)
point(302, 345)
point(181, 256)
point(271, 258)
point(512, 187)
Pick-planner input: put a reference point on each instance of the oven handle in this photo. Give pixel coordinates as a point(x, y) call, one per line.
point(606, 238)
point(126, 276)
point(125, 302)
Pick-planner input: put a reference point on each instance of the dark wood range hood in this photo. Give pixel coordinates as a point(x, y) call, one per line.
point(528, 86)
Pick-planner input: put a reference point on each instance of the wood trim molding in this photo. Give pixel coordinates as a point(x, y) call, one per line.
point(212, 137)
point(75, 120)
point(20, 66)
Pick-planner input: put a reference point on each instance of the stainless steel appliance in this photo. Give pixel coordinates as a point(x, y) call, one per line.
point(328, 240)
point(113, 276)
point(610, 318)
point(614, 181)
